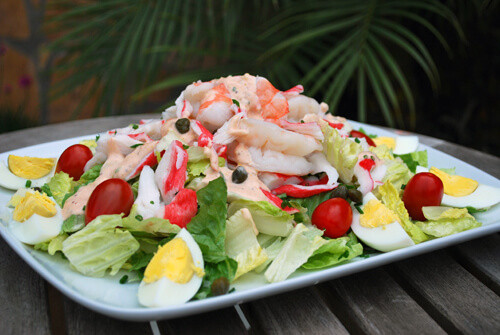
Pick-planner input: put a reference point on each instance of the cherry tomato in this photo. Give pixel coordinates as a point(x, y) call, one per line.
point(358, 134)
point(424, 189)
point(113, 196)
point(334, 216)
point(73, 160)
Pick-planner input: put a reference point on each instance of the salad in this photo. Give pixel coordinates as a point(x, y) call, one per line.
point(237, 177)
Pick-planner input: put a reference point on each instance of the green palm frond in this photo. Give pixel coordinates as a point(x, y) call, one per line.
point(362, 37)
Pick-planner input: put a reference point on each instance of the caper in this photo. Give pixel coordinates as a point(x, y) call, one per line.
point(220, 286)
point(340, 192)
point(182, 125)
point(239, 175)
point(356, 196)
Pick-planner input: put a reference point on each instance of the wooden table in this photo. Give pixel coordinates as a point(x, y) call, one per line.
point(455, 290)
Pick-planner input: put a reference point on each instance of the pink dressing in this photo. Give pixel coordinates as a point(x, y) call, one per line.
point(243, 89)
point(132, 161)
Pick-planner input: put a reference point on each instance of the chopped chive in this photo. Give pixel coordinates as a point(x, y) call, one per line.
point(135, 126)
point(357, 140)
point(116, 132)
point(302, 121)
point(97, 138)
point(185, 146)
point(136, 145)
point(123, 279)
point(403, 186)
point(84, 207)
point(28, 183)
point(236, 102)
point(152, 202)
point(358, 208)
point(139, 217)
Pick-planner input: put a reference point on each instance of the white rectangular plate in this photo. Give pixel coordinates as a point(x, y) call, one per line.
point(107, 296)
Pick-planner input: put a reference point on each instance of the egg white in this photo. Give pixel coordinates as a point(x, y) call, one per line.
point(484, 196)
point(405, 145)
point(37, 228)
point(165, 292)
point(13, 182)
point(384, 238)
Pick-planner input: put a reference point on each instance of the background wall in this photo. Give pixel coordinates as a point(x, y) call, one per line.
point(463, 109)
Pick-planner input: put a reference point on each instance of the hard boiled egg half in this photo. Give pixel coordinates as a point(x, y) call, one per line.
point(379, 227)
point(174, 274)
point(462, 192)
point(36, 218)
point(399, 145)
point(26, 172)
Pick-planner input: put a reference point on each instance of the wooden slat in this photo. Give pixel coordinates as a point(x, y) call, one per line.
point(80, 320)
point(297, 312)
point(220, 322)
point(450, 294)
point(482, 258)
point(372, 302)
point(23, 305)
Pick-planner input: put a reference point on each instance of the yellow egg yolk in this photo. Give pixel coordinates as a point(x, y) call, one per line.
point(376, 214)
point(30, 167)
point(456, 186)
point(34, 203)
point(389, 141)
point(174, 261)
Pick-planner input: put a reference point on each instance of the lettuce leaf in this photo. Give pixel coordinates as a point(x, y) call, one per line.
point(309, 204)
point(390, 198)
point(297, 249)
point(334, 251)
point(150, 227)
point(241, 242)
point(450, 221)
point(58, 186)
point(268, 218)
point(208, 227)
point(341, 152)
point(73, 224)
point(224, 269)
point(90, 175)
point(413, 159)
point(100, 246)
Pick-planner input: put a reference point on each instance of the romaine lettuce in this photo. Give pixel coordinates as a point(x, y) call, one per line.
point(152, 226)
point(241, 242)
point(450, 221)
point(100, 246)
point(341, 152)
point(390, 198)
point(268, 218)
point(297, 249)
point(59, 185)
point(398, 172)
point(334, 251)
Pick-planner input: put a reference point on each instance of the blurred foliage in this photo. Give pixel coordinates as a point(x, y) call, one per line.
point(13, 119)
point(129, 48)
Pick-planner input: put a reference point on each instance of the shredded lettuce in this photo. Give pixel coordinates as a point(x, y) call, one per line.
point(268, 218)
point(241, 242)
point(334, 251)
point(272, 245)
point(449, 221)
point(149, 227)
point(100, 246)
point(297, 249)
point(341, 152)
point(390, 198)
point(414, 159)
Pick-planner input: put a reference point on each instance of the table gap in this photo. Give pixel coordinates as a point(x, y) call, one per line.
point(426, 305)
point(474, 270)
point(336, 305)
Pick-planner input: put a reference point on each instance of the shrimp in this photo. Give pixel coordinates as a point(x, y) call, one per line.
point(274, 161)
point(268, 136)
point(216, 108)
point(272, 102)
point(302, 105)
point(124, 143)
point(306, 128)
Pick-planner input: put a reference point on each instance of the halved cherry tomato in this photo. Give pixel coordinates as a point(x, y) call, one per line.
point(334, 216)
point(423, 189)
point(73, 160)
point(358, 134)
point(112, 196)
